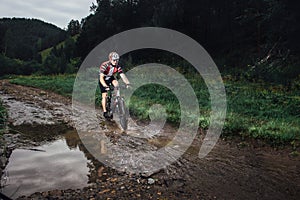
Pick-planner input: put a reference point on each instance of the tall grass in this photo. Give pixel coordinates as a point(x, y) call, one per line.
point(3, 118)
point(263, 111)
point(254, 110)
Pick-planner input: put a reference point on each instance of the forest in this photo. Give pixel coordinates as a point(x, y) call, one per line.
point(255, 40)
point(24, 38)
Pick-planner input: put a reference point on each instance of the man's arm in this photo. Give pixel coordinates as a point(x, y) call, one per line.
point(102, 81)
point(125, 79)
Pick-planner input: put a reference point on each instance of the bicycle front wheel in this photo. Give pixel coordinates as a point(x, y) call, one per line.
point(108, 107)
point(122, 114)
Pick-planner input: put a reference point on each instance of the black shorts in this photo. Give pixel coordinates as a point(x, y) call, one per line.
point(108, 80)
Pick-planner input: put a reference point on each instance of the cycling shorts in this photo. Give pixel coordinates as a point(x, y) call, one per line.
point(108, 80)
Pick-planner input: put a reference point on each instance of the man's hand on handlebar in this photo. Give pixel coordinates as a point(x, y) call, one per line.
point(128, 86)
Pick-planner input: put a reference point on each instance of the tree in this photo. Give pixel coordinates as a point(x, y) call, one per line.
point(69, 48)
point(73, 27)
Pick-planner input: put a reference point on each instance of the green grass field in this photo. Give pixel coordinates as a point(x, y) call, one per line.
point(254, 110)
point(61, 84)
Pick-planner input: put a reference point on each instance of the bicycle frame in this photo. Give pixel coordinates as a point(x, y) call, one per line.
point(116, 104)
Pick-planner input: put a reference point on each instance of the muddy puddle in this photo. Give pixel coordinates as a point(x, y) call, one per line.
point(48, 163)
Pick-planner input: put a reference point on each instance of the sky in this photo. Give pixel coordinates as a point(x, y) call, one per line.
point(57, 12)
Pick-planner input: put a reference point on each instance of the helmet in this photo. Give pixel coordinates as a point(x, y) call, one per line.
point(114, 56)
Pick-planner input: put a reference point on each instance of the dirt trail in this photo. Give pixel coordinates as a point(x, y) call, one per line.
point(233, 170)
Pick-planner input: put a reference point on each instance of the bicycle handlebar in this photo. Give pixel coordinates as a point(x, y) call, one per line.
point(112, 87)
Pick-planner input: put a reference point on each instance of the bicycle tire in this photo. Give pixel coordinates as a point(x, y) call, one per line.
point(122, 114)
point(108, 107)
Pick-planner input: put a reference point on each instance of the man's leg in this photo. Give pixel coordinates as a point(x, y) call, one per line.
point(104, 95)
point(103, 101)
point(116, 85)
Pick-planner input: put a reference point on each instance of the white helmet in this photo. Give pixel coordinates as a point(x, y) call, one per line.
point(113, 56)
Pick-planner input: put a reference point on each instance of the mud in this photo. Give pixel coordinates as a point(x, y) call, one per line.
point(235, 169)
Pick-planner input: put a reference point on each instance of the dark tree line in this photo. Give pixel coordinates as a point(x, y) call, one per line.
point(216, 24)
point(237, 33)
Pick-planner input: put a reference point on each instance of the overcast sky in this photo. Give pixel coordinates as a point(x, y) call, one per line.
point(57, 12)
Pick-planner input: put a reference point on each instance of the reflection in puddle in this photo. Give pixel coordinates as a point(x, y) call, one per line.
point(57, 165)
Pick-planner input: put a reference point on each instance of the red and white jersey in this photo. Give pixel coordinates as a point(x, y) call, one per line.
point(108, 69)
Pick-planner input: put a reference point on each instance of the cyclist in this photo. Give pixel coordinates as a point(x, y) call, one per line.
point(107, 73)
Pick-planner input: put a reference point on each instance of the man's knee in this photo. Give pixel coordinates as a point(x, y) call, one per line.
point(115, 83)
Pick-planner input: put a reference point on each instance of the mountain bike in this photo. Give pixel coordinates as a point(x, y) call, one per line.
point(115, 103)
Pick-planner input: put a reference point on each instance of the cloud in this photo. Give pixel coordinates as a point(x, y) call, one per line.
point(57, 12)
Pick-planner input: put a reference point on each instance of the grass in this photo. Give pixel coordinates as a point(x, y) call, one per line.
point(3, 118)
point(254, 110)
point(61, 84)
point(263, 112)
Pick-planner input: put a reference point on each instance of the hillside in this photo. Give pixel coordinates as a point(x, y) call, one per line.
point(23, 38)
point(45, 52)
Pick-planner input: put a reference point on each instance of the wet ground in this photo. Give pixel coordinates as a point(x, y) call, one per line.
point(47, 160)
point(52, 163)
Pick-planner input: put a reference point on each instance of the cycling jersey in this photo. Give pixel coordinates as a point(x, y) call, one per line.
point(109, 70)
